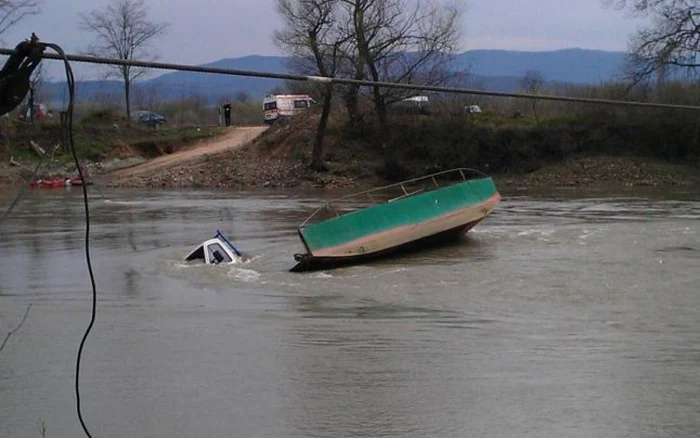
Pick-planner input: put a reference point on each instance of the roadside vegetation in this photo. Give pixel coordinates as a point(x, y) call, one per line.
point(99, 135)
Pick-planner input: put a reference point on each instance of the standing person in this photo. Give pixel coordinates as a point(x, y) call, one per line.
point(227, 113)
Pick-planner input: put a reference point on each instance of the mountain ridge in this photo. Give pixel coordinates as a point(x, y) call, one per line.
point(497, 70)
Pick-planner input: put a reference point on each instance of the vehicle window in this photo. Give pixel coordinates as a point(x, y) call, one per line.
point(216, 247)
point(197, 254)
point(301, 104)
point(270, 106)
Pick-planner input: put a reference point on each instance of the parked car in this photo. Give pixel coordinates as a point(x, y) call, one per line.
point(150, 118)
point(473, 108)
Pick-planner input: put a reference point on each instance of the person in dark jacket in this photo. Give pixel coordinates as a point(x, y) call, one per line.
point(227, 114)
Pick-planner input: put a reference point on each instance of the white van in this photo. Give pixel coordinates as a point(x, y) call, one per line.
point(284, 105)
point(415, 104)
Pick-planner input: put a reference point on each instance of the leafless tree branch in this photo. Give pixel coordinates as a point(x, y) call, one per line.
point(12, 11)
point(670, 45)
point(123, 31)
point(408, 41)
point(314, 37)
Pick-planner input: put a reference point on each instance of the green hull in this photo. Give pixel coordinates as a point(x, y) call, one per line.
point(380, 227)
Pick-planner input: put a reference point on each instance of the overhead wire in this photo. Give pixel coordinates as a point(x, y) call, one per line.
point(347, 81)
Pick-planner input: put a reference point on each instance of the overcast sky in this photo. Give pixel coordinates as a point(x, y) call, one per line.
point(207, 30)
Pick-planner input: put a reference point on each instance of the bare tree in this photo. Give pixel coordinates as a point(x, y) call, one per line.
point(12, 11)
point(638, 6)
point(124, 32)
point(402, 41)
point(670, 45)
point(532, 83)
point(314, 37)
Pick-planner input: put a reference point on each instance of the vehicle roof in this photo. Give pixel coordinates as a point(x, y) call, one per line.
point(206, 243)
point(277, 96)
point(416, 99)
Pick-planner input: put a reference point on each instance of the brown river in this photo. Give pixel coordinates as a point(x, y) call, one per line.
point(564, 314)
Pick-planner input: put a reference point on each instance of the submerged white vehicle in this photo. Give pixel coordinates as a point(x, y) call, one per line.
point(218, 249)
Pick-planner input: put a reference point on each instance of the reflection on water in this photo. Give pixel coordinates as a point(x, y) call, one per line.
point(560, 315)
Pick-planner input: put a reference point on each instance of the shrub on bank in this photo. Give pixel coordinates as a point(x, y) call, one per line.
point(503, 144)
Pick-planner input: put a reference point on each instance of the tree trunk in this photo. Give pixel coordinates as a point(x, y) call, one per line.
point(352, 104)
point(127, 89)
point(352, 100)
point(534, 111)
point(317, 153)
point(384, 136)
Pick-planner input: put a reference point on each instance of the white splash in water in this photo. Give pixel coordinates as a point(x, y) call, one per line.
point(588, 233)
point(109, 201)
point(247, 275)
point(542, 235)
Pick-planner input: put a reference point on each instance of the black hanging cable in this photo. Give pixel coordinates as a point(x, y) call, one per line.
point(71, 94)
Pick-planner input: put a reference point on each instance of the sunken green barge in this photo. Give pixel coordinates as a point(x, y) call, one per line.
point(403, 216)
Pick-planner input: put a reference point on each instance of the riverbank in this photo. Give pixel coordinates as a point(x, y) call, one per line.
point(241, 158)
point(236, 171)
point(243, 169)
point(608, 171)
point(516, 154)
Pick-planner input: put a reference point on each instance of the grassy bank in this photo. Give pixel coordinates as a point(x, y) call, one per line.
point(97, 139)
point(649, 149)
point(499, 144)
point(631, 148)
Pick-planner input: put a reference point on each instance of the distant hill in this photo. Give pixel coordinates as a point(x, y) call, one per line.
point(213, 86)
point(497, 70)
point(577, 66)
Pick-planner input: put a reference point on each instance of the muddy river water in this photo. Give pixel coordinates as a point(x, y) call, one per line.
point(565, 313)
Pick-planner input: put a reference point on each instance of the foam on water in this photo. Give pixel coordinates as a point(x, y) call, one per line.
point(245, 275)
point(109, 201)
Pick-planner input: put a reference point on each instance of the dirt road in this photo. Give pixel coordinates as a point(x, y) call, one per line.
point(236, 138)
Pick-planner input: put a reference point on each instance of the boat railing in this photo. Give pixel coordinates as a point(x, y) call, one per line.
point(407, 188)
